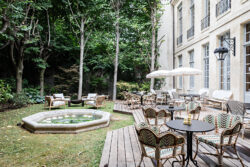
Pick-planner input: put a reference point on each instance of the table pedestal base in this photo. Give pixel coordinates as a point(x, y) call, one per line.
point(189, 150)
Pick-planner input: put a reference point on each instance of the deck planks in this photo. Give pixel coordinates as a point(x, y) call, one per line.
point(122, 148)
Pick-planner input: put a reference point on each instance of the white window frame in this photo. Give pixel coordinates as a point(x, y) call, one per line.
point(206, 65)
point(225, 65)
point(192, 13)
point(180, 19)
point(180, 77)
point(191, 63)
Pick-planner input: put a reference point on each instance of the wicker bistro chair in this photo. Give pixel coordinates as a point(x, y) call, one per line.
point(193, 108)
point(238, 108)
point(156, 118)
point(227, 129)
point(51, 102)
point(176, 100)
point(149, 99)
point(160, 146)
point(134, 101)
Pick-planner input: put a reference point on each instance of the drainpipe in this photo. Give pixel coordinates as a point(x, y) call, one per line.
point(173, 43)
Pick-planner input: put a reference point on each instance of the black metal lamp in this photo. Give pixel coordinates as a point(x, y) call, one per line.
point(220, 53)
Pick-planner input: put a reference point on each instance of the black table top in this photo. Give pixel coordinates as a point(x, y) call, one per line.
point(174, 108)
point(189, 94)
point(197, 126)
point(76, 100)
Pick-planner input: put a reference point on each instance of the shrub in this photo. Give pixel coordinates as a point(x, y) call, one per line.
point(98, 84)
point(34, 95)
point(19, 100)
point(5, 92)
point(122, 86)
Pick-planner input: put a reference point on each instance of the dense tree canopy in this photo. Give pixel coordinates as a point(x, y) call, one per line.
point(40, 41)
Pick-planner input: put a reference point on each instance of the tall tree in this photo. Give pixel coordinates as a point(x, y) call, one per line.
point(80, 16)
point(116, 4)
point(155, 13)
point(21, 27)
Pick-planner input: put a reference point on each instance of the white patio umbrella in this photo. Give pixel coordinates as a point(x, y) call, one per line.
point(159, 74)
point(185, 71)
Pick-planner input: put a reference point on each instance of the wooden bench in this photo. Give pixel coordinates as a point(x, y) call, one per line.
point(219, 98)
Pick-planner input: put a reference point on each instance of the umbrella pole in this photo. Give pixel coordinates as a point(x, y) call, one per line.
point(183, 89)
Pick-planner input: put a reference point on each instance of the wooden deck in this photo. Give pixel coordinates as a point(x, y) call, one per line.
point(122, 148)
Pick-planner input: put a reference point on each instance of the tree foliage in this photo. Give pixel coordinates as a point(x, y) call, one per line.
point(47, 35)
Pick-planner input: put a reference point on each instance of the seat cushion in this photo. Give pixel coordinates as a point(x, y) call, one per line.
point(213, 139)
point(90, 102)
point(222, 94)
point(152, 121)
point(58, 103)
point(91, 96)
point(58, 96)
point(165, 153)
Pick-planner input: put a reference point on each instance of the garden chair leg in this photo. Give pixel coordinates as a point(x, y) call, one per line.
point(238, 156)
point(197, 147)
point(140, 161)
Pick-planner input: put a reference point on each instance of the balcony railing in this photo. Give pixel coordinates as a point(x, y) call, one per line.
point(190, 32)
point(222, 6)
point(179, 40)
point(205, 22)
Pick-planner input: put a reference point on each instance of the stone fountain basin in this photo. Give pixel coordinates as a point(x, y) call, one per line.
point(32, 124)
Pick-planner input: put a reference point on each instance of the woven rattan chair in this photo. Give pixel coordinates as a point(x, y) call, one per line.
point(97, 102)
point(134, 101)
point(160, 147)
point(156, 118)
point(238, 108)
point(227, 129)
point(193, 108)
point(51, 102)
point(149, 99)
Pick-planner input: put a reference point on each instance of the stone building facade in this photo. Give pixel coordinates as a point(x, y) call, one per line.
point(193, 29)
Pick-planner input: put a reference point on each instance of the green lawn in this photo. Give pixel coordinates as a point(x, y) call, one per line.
point(19, 147)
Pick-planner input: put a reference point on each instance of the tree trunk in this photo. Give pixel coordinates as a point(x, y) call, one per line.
point(81, 60)
point(116, 53)
point(153, 43)
point(19, 75)
point(42, 72)
point(19, 67)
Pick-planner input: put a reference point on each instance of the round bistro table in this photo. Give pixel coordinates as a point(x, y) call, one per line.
point(197, 126)
point(191, 95)
point(171, 109)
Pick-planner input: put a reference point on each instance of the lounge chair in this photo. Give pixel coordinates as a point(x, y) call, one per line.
point(61, 96)
point(52, 102)
point(97, 102)
point(219, 98)
point(90, 97)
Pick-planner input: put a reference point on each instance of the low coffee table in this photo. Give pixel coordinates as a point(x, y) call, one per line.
point(197, 126)
point(75, 102)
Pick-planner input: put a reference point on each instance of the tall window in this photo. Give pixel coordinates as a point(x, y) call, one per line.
point(180, 18)
point(247, 63)
point(205, 22)
point(206, 7)
point(191, 63)
point(190, 31)
point(206, 65)
point(225, 65)
point(179, 39)
point(222, 6)
point(180, 65)
point(192, 12)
